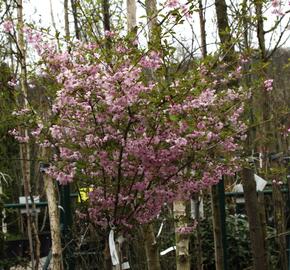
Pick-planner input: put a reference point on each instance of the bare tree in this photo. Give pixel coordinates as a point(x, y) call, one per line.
point(24, 146)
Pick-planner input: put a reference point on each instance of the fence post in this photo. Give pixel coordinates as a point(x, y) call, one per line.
point(256, 233)
point(288, 185)
point(66, 225)
point(219, 225)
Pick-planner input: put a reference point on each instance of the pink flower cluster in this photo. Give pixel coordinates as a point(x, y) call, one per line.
point(175, 4)
point(139, 147)
point(185, 230)
point(7, 26)
point(152, 61)
point(268, 84)
point(19, 137)
point(277, 7)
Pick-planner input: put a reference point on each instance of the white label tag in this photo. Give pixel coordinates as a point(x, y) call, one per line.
point(125, 265)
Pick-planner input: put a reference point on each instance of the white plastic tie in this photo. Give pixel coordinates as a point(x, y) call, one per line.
point(113, 250)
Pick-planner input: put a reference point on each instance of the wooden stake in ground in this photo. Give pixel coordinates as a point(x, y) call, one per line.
point(255, 224)
point(280, 224)
point(217, 229)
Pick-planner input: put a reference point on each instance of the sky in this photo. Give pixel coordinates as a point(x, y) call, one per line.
point(38, 11)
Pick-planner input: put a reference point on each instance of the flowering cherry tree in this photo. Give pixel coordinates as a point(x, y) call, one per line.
point(136, 142)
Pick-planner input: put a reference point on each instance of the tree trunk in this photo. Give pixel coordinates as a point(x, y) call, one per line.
point(224, 29)
point(260, 28)
point(202, 28)
point(53, 211)
point(181, 239)
point(154, 28)
point(151, 248)
point(106, 15)
point(255, 224)
point(54, 25)
point(217, 229)
point(131, 15)
point(24, 146)
point(66, 20)
point(75, 16)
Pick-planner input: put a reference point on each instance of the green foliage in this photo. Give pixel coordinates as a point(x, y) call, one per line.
point(8, 146)
point(238, 244)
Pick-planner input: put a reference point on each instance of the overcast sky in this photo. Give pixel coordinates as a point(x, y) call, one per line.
point(38, 11)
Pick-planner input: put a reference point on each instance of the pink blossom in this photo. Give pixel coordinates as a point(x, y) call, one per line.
point(185, 229)
point(131, 138)
point(152, 60)
point(22, 138)
point(7, 26)
point(173, 3)
point(275, 3)
point(12, 83)
point(109, 33)
point(268, 84)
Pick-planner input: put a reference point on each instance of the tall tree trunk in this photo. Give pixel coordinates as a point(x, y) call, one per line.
point(106, 15)
point(107, 23)
point(224, 29)
point(181, 238)
point(245, 23)
point(76, 20)
point(24, 147)
point(54, 24)
point(151, 249)
point(154, 28)
point(131, 15)
point(260, 28)
point(66, 20)
point(202, 20)
point(217, 192)
point(217, 229)
point(255, 224)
